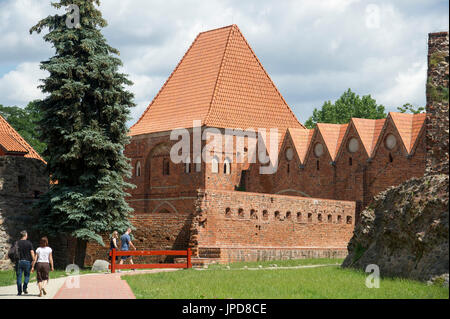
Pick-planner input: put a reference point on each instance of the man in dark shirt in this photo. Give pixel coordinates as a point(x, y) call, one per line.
point(26, 256)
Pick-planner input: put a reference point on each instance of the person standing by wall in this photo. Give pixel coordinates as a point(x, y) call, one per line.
point(113, 244)
point(23, 266)
point(44, 264)
point(126, 243)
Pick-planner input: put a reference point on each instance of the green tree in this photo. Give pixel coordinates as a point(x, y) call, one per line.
point(347, 106)
point(25, 122)
point(410, 108)
point(84, 125)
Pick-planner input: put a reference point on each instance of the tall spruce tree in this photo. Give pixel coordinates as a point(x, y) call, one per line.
point(84, 126)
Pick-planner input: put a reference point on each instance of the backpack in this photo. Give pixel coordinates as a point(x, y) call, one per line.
point(13, 252)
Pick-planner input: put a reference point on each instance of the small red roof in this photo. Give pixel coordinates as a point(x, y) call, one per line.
point(369, 131)
point(332, 135)
point(221, 83)
point(408, 126)
point(301, 139)
point(12, 142)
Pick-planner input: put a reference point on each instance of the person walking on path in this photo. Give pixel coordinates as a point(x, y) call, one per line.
point(126, 243)
point(23, 266)
point(113, 243)
point(44, 264)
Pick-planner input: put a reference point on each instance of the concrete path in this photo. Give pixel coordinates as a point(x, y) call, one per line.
point(88, 286)
point(102, 286)
point(10, 292)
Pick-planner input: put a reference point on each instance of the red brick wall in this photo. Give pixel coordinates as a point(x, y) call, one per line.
point(215, 229)
point(359, 182)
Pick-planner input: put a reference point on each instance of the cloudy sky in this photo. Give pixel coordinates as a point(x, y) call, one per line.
point(313, 50)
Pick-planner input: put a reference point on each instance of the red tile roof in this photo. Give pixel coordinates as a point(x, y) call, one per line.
point(408, 127)
point(12, 142)
point(332, 135)
point(301, 139)
point(369, 131)
point(220, 82)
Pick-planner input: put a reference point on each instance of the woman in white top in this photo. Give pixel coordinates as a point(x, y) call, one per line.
point(44, 260)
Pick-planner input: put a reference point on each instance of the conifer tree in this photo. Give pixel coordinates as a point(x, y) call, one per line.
point(84, 126)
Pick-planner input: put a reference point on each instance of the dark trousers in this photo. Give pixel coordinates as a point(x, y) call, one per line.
point(24, 266)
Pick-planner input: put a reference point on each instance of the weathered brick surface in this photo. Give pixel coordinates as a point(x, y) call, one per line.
point(264, 226)
point(437, 104)
point(351, 176)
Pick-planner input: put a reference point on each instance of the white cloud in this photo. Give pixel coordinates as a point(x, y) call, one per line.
point(313, 50)
point(19, 86)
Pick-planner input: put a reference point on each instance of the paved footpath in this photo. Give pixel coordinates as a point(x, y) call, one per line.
point(91, 286)
point(102, 286)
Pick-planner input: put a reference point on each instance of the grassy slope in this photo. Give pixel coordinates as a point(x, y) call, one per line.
point(322, 282)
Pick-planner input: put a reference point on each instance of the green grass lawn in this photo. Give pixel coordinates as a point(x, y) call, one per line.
point(308, 283)
point(8, 277)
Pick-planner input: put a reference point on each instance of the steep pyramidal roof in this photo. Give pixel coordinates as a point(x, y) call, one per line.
point(220, 82)
point(12, 142)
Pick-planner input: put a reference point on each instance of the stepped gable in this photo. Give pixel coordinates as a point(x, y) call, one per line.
point(369, 131)
point(301, 139)
point(332, 134)
point(12, 143)
point(220, 82)
point(408, 127)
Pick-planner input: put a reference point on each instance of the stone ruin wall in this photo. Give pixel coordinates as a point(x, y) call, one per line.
point(21, 181)
point(437, 103)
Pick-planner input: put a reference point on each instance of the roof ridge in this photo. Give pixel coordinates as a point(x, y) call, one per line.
point(228, 26)
point(165, 83)
point(220, 69)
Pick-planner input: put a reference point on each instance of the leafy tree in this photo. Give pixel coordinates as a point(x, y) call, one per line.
point(410, 108)
point(347, 106)
point(25, 122)
point(84, 125)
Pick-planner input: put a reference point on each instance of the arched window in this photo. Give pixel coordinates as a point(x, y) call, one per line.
point(265, 215)
point(253, 214)
point(166, 166)
point(228, 212)
point(299, 217)
point(138, 168)
point(309, 217)
point(215, 165)
point(227, 166)
point(288, 215)
point(339, 219)
point(330, 218)
point(198, 164)
point(241, 213)
point(349, 219)
point(319, 218)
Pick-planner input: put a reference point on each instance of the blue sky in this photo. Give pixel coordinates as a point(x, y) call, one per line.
point(313, 50)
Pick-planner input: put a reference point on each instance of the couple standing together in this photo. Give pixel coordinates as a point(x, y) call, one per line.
point(126, 243)
point(28, 259)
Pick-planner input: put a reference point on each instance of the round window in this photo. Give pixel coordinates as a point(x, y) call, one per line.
point(390, 142)
point(318, 150)
point(289, 154)
point(353, 145)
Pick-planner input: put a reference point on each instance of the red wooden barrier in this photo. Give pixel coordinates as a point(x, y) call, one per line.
point(115, 253)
